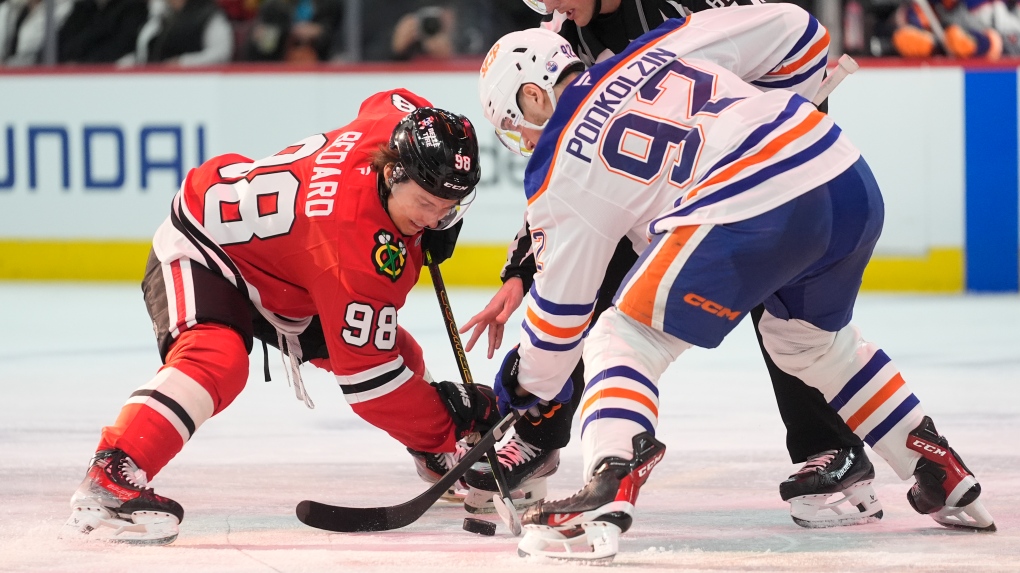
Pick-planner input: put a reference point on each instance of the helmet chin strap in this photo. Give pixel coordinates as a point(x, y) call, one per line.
point(397, 175)
point(552, 101)
point(383, 187)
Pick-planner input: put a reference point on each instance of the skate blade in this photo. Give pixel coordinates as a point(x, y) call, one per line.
point(147, 528)
point(972, 517)
point(841, 521)
point(591, 543)
point(856, 505)
point(454, 495)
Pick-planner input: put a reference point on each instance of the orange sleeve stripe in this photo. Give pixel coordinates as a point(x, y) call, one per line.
point(814, 50)
point(639, 300)
point(875, 402)
point(922, 18)
point(609, 74)
point(768, 152)
point(624, 393)
point(553, 330)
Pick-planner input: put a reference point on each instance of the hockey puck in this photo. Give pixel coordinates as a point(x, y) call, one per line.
point(479, 526)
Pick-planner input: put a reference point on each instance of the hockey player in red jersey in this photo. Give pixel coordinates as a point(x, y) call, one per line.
point(699, 138)
point(312, 250)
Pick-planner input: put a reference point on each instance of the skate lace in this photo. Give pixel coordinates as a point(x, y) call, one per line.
point(291, 355)
point(133, 474)
point(287, 332)
point(517, 452)
point(818, 462)
point(450, 459)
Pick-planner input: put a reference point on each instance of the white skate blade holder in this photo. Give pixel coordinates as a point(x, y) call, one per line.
point(598, 545)
point(454, 495)
point(144, 528)
point(480, 501)
point(973, 516)
point(857, 505)
point(508, 513)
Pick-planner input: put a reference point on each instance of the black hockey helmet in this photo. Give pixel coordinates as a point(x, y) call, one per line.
point(439, 151)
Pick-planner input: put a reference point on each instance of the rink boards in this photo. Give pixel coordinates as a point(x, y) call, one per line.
point(89, 160)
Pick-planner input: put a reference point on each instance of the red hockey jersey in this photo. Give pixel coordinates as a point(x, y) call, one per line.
point(303, 233)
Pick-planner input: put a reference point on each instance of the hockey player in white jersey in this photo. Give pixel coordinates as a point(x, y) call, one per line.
point(745, 196)
point(832, 488)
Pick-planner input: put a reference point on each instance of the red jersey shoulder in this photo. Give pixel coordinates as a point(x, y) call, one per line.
point(319, 196)
point(339, 177)
point(203, 178)
point(392, 101)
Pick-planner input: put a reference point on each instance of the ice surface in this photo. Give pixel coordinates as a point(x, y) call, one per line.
point(71, 354)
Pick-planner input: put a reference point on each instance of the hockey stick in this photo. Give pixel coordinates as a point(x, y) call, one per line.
point(844, 67)
point(354, 519)
point(933, 20)
point(504, 502)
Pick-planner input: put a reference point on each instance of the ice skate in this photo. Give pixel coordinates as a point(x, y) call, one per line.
point(832, 489)
point(113, 504)
point(587, 526)
point(526, 468)
point(945, 488)
point(431, 467)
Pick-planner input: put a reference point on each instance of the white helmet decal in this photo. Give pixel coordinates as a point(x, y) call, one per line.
point(535, 56)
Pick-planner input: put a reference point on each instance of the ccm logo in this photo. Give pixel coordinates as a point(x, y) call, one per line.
point(643, 470)
point(922, 445)
point(710, 307)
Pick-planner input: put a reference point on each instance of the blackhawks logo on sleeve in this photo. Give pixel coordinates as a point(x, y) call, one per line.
point(389, 255)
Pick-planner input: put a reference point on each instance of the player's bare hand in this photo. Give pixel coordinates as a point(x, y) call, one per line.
point(494, 316)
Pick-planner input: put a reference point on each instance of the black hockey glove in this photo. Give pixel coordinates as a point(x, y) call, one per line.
point(472, 406)
point(441, 243)
point(506, 386)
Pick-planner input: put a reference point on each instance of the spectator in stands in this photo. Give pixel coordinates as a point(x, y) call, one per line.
point(425, 32)
point(433, 29)
point(101, 31)
point(409, 29)
point(972, 29)
point(23, 29)
point(296, 30)
point(185, 33)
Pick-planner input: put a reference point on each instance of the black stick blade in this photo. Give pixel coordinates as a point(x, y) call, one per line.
point(355, 519)
point(346, 519)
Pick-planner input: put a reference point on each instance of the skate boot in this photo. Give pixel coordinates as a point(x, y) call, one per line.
point(587, 526)
point(113, 504)
point(526, 468)
point(945, 488)
point(432, 467)
point(833, 488)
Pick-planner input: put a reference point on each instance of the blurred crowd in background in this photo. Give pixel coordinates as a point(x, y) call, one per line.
point(216, 32)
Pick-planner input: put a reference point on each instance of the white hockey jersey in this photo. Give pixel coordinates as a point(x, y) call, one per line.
point(703, 120)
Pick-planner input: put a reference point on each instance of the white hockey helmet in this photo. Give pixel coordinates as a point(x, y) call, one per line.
point(535, 56)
